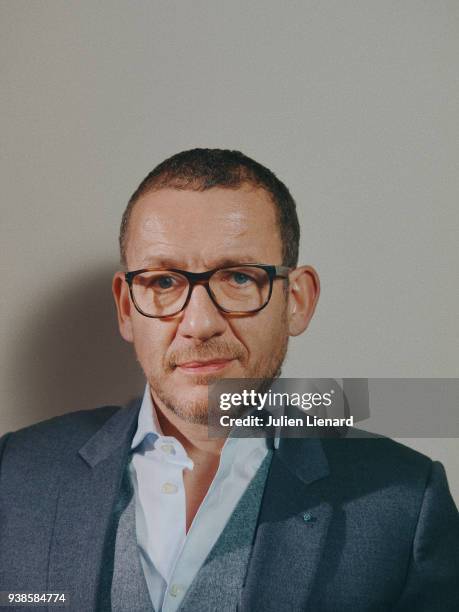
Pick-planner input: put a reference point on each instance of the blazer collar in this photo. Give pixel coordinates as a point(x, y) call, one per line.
point(304, 458)
point(113, 436)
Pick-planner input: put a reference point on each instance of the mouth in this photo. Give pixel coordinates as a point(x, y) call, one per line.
point(204, 367)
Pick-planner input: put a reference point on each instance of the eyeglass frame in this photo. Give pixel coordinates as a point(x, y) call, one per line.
point(202, 278)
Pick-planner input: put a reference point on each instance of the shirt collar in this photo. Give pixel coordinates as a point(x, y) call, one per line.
point(147, 424)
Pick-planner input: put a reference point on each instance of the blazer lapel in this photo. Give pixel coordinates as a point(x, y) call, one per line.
point(291, 531)
point(86, 498)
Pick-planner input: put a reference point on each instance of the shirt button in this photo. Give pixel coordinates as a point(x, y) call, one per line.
point(175, 590)
point(169, 487)
point(168, 449)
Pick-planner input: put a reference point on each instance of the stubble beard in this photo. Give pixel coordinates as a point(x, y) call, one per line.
point(196, 411)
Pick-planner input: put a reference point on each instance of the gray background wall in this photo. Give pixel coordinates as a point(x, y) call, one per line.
point(353, 104)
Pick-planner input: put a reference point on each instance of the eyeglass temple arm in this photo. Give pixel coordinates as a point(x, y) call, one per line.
point(282, 271)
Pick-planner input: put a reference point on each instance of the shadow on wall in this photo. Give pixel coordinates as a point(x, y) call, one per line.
point(70, 355)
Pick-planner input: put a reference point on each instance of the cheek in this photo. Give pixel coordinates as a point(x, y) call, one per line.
point(263, 332)
point(151, 341)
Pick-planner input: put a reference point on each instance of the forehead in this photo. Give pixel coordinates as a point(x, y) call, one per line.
point(200, 229)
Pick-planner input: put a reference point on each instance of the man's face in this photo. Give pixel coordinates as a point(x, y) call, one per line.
point(198, 231)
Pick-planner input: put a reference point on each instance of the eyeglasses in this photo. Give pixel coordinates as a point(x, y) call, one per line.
point(241, 289)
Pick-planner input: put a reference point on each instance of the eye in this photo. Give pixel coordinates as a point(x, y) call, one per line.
point(163, 282)
point(240, 278)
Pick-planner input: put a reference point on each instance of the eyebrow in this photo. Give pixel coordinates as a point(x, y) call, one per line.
point(222, 262)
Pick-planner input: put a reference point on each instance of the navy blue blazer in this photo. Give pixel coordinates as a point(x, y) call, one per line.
point(352, 524)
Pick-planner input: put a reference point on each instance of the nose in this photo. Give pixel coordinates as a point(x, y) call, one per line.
point(201, 319)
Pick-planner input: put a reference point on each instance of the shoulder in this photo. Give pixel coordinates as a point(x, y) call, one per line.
point(363, 449)
point(378, 467)
point(58, 435)
point(380, 454)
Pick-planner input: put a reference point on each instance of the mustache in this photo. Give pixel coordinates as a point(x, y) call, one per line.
point(212, 349)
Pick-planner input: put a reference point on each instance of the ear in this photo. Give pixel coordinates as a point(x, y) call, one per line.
point(124, 306)
point(303, 294)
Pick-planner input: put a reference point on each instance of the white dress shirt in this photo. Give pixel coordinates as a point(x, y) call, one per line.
point(171, 558)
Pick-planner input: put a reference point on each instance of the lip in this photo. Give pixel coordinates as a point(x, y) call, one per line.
point(204, 367)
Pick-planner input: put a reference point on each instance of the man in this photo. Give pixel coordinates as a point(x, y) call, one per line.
point(138, 508)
